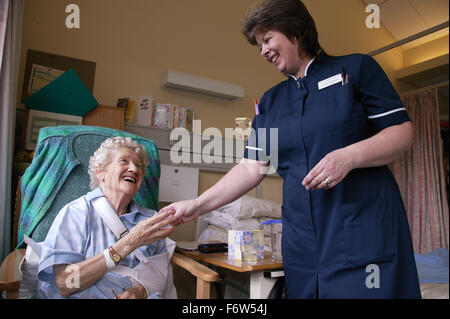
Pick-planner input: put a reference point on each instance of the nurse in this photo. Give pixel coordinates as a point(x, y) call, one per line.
point(339, 123)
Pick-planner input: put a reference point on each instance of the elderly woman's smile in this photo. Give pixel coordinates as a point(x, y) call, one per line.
point(121, 177)
point(124, 173)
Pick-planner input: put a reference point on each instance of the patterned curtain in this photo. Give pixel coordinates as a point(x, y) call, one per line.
point(3, 20)
point(419, 174)
point(11, 16)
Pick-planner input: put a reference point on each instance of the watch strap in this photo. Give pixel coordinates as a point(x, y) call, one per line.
point(110, 264)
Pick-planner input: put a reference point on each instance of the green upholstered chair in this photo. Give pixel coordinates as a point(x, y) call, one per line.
point(58, 175)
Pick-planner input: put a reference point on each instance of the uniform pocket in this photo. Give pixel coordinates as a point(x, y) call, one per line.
point(368, 232)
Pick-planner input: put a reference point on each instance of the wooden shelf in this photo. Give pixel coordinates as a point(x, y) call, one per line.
point(105, 116)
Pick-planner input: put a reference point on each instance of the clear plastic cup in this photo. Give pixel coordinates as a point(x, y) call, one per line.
point(276, 229)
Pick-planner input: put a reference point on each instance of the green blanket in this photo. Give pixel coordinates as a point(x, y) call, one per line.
point(58, 174)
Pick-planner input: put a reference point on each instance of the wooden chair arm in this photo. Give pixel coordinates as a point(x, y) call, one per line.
point(10, 273)
point(196, 269)
point(203, 274)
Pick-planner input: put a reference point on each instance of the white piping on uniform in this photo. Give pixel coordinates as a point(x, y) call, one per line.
point(306, 70)
point(386, 113)
point(254, 148)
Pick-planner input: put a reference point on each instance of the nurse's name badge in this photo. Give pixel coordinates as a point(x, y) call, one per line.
point(330, 81)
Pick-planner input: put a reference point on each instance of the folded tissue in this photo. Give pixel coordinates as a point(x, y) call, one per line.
point(246, 245)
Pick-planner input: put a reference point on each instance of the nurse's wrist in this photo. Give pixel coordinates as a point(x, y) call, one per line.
point(198, 206)
point(352, 157)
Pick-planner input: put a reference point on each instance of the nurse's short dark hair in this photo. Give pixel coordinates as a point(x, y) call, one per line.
point(289, 17)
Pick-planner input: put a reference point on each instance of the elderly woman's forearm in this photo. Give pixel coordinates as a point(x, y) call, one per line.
point(382, 148)
point(76, 277)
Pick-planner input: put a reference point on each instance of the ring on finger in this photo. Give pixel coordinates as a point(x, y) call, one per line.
point(327, 181)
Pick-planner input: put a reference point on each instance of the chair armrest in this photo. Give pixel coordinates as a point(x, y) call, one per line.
point(196, 269)
point(10, 272)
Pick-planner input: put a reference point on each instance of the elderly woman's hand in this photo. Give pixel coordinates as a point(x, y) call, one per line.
point(135, 292)
point(150, 230)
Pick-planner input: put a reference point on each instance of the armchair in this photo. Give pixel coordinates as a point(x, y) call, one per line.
point(58, 175)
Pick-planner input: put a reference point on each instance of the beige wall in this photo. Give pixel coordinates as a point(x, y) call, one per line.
point(133, 42)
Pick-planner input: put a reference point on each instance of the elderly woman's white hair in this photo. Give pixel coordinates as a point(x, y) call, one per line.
point(103, 155)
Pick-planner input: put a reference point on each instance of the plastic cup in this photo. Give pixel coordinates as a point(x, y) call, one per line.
point(276, 229)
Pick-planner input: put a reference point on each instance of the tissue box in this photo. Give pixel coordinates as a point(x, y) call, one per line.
point(246, 245)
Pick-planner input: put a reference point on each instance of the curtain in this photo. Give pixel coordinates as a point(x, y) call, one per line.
point(419, 174)
point(10, 42)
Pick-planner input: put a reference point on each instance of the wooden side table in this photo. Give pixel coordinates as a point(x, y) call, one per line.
point(259, 285)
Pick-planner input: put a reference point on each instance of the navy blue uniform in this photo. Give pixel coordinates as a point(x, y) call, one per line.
point(353, 240)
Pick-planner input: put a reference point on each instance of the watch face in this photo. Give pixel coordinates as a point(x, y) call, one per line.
point(116, 258)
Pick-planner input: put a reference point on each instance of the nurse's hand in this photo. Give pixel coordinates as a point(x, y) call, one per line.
point(331, 170)
point(184, 211)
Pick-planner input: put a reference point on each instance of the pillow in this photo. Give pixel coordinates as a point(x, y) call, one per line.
point(249, 207)
point(227, 222)
point(214, 233)
point(431, 290)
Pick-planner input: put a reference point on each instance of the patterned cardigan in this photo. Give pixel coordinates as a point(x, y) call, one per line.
point(54, 161)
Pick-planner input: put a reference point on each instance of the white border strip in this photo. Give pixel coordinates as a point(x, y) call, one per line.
point(254, 148)
point(306, 70)
point(386, 113)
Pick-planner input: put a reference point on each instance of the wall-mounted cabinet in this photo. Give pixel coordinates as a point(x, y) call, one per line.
point(215, 154)
point(206, 153)
point(197, 84)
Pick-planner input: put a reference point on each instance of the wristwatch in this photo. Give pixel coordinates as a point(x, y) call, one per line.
point(114, 255)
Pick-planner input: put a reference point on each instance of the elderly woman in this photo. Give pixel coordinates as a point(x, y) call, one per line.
point(103, 245)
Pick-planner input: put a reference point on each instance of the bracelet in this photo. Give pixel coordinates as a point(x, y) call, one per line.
point(110, 264)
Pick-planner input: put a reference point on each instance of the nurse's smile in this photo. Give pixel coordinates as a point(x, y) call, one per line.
point(279, 50)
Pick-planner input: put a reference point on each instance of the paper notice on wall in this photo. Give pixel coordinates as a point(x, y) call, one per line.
point(41, 76)
point(144, 110)
point(178, 183)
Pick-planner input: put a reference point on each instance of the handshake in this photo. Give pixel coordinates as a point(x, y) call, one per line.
point(176, 214)
point(167, 218)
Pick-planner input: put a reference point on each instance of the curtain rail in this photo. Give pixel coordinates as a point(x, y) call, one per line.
point(410, 38)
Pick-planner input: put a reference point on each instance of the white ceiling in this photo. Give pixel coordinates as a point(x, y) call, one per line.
point(403, 18)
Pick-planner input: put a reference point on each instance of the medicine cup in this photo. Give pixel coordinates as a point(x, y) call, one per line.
point(276, 229)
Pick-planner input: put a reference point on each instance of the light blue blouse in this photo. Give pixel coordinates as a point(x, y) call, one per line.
point(77, 234)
